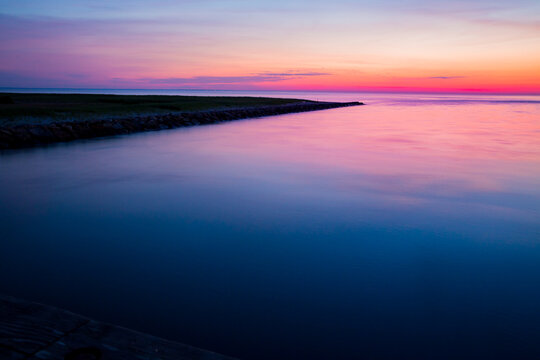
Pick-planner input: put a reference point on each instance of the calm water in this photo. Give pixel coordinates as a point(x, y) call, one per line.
point(407, 228)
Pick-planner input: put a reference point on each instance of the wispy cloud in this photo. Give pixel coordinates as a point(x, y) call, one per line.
point(218, 80)
point(524, 24)
point(446, 77)
point(209, 80)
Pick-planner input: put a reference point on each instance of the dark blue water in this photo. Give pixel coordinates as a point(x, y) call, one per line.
point(408, 228)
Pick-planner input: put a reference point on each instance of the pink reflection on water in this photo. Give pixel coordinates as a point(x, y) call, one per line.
point(464, 147)
point(450, 156)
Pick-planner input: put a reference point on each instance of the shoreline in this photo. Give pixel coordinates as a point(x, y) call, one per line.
point(30, 135)
point(30, 330)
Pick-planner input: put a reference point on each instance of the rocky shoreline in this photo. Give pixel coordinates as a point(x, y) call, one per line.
point(28, 135)
point(30, 330)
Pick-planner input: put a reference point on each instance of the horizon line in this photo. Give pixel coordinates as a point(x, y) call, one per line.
point(412, 91)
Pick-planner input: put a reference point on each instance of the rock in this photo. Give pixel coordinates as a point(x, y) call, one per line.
point(6, 100)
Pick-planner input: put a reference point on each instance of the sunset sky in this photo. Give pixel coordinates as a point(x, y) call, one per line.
point(386, 45)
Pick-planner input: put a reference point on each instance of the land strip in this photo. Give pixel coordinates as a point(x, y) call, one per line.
point(37, 119)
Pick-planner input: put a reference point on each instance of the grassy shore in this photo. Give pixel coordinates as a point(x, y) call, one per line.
point(20, 108)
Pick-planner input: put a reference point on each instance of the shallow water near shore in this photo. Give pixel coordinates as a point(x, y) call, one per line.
point(406, 228)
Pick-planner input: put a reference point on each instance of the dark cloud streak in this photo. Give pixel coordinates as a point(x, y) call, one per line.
point(209, 80)
point(294, 74)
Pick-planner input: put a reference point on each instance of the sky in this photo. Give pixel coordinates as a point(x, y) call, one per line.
point(342, 45)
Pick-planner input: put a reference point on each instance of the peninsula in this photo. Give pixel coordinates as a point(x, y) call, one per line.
point(31, 119)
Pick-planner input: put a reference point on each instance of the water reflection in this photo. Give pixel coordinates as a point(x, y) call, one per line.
point(384, 231)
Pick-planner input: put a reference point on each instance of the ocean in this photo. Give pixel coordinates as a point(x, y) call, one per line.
point(405, 228)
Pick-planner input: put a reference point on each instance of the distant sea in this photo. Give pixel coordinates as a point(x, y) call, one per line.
point(308, 95)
